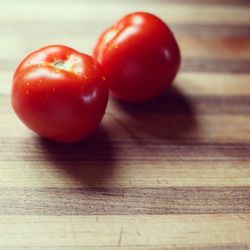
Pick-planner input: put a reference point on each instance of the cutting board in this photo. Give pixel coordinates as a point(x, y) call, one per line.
point(170, 173)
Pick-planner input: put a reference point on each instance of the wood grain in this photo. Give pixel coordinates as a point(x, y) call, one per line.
point(172, 173)
point(94, 28)
point(229, 231)
point(83, 11)
point(191, 83)
point(78, 174)
point(120, 201)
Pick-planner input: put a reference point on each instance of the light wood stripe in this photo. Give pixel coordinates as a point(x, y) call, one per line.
point(162, 2)
point(196, 48)
point(236, 246)
point(214, 84)
point(84, 29)
point(188, 83)
point(80, 11)
point(126, 231)
point(72, 174)
point(118, 201)
point(215, 48)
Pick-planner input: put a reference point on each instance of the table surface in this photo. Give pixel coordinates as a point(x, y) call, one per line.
point(170, 173)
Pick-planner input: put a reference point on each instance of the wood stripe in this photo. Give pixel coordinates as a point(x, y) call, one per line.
point(174, 104)
point(120, 201)
point(195, 48)
point(208, 54)
point(73, 174)
point(169, 131)
point(214, 48)
point(103, 151)
point(212, 84)
point(188, 65)
point(166, 2)
point(222, 66)
point(202, 2)
point(236, 246)
point(127, 232)
point(95, 28)
point(187, 84)
point(192, 47)
point(83, 11)
point(212, 30)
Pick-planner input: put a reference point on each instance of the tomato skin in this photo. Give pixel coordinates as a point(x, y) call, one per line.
point(139, 55)
point(60, 93)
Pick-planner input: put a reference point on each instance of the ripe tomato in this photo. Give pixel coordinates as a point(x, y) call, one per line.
point(140, 57)
point(60, 93)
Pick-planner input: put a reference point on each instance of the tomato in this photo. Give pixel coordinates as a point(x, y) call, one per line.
point(139, 55)
point(60, 93)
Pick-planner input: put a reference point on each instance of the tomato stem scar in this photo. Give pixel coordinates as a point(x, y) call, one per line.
point(64, 65)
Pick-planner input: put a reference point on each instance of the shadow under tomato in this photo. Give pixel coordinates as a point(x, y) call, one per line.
point(169, 117)
point(88, 163)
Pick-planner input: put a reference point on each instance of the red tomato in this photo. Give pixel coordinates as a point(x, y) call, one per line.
point(140, 57)
point(60, 93)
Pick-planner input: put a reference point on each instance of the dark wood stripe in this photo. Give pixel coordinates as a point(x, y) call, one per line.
point(101, 149)
point(91, 201)
point(224, 2)
point(201, 2)
point(222, 66)
point(172, 103)
point(176, 103)
point(224, 246)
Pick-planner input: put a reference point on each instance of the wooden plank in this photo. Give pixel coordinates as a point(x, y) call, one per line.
point(162, 2)
point(168, 132)
point(95, 27)
point(36, 149)
point(219, 65)
point(128, 232)
point(235, 246)
point(214, 84)
point(202, 48)
point(187, 65)
point(207, 54)
point(119, 201)
point(214, 48)
point(211, 30)
point(95, 173)
point(81, 11)
point(188, 83)
point(174, 104)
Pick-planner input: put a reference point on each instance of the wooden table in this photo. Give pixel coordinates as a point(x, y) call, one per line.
point(171, 173)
